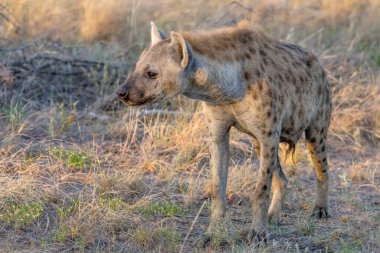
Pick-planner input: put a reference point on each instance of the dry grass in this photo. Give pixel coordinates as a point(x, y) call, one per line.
point(79, 172)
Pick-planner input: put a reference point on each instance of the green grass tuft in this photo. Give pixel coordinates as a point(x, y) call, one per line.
point(21, 215)
point(163, 209)
point(114, 203)
point(73, 159)
point(14, 114)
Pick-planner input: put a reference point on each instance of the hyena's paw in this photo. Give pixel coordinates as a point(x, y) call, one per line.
point(320, 212)
point(255, 238)
point(274, 217)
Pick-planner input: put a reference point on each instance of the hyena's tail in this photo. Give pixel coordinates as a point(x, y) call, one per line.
point(290, 150)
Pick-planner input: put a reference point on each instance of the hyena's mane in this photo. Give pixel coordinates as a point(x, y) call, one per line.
point(231, 43)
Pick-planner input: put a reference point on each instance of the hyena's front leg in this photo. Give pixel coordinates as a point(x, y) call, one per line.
point(260, 200)
point(219, 128)
point(219, 169)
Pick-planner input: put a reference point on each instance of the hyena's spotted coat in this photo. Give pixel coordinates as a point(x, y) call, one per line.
point(271, 90)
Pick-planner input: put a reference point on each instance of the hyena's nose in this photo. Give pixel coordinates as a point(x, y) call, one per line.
point(122, 92)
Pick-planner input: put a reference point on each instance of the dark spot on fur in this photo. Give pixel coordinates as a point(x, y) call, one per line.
point(307, 134)
point(246, 37)
point(269, 113)
point(275, 118)
point(309, 61)
point(248, 56)
point(252, 50)
point(320, 142)
point(265, 188)
point(323, 148)
point(322, 130)
point(324, 160)
point(258, 73)
point(268, 171)
point(254, 95)
point(324, 170)
point(262, 53)
point(320, 90)
point(269, 133)
point(246, 75)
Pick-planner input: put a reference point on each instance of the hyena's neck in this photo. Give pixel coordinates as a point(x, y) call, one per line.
point(214, 82)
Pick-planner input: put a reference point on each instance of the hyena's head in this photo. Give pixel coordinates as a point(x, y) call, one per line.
point(161, 72)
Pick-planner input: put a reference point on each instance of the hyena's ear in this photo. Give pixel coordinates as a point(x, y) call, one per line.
point(183, 49)
point(156, 34)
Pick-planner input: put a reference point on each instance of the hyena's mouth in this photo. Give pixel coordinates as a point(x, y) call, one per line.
point(141, 102)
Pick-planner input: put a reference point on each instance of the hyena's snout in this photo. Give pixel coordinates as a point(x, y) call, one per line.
point(122, 92)
point(128, 93)
point(133, 94)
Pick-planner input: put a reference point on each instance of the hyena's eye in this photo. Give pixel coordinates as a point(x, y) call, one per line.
point(151, 75)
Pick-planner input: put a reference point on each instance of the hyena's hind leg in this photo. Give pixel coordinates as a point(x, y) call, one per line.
point(316, 142)
point(279, 183)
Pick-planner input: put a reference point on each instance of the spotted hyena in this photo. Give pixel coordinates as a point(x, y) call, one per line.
point(274, 91)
